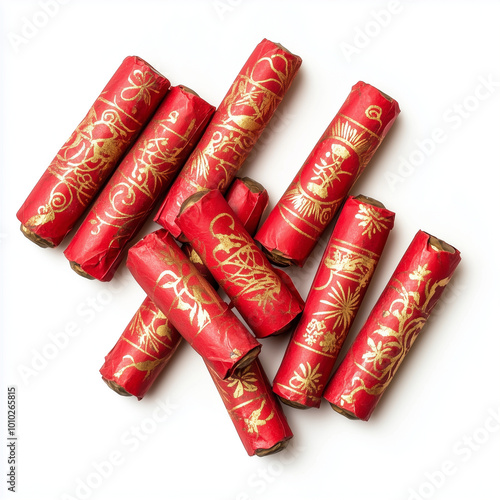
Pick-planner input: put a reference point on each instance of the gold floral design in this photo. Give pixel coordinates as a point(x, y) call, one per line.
point(409, 313)
point(142, 85)
point(152, 164)
point(254, 421)
point(420, 273)
point(152, 337)
point(143, 366)
point(342, 307)
point(349, 264)
point(371, 220)
point(331, 343)
point(191, 295)
point(308, 378)
point(243, 114)
point(248, 269)
point(92, 150)
point(243, 381)
point(378, 354)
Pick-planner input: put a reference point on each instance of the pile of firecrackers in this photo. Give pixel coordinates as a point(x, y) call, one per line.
point(144, 141)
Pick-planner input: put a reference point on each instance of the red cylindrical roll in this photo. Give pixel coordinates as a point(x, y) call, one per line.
point(89, 156)
point(132, 365)
point(237, 264)
point(191, 304)
point(254, 410)
point(343, 276)
point(392, 327)
point(237, 124)
point(141, 353)
point(311, 201)
point(198, 263)
point(142, 177)
point(248, 199)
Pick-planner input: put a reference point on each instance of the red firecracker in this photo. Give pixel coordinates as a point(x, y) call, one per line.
point(254, 410)
point(142, 177)
point(141, 353)
point(248, 199)
point(392, 327)
point(343, 276)
point(311, 201)
point(149, 341)
point(90, 155)
point(237, 124)
point(172, 282)
point(237, 264)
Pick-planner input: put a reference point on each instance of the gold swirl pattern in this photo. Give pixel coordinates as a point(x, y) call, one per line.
point(248, 269)
point(387, 346)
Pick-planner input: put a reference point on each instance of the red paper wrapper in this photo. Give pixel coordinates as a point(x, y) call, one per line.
point(237, 264)
point(89, 156)
point(248, 200)
point(392, 327)
point(172, 282)
point(343, 276)
point(235, 127)
point(254, 410)
point(311, 201)
point(198, 263)
point(142, 177)
point(125, 369)
point(141, 353)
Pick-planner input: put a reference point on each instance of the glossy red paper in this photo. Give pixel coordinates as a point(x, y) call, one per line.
point(142, 177)
point(254, 409)
point(248, 199)
point(142, 351)
point(393, 325)
point(238, 265)
point(89, 156)
point(149, 341)
point(237, 124)
point(296, 223)
point(172, 282)
point(349, 261)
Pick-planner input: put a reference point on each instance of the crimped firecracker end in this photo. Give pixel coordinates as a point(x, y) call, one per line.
point(277, 257)
point(246, 360)
point(115, 387)
point(253, 185)
point(440, 245)
point(344, 412)
point(188, 90)
point(370, 201)
point(263, 452)
point(293, 404)
point(38, 240)
point(78, 270)
point(191, 200)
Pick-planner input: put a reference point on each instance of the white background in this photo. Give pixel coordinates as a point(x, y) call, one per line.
point(442, 409)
